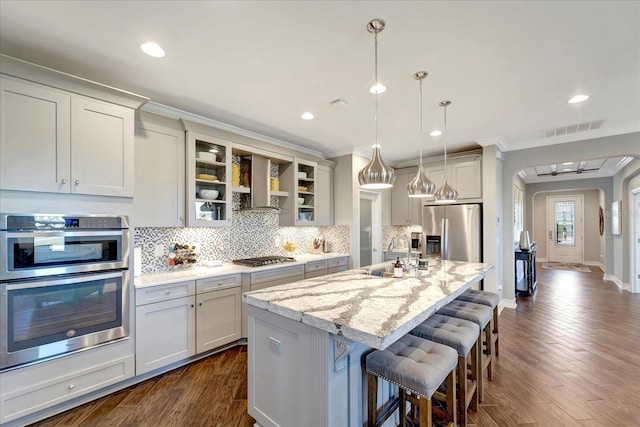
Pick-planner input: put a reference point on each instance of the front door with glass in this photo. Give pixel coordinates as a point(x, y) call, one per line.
point(564, 228)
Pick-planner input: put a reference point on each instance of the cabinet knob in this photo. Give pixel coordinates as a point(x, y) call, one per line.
point(64, 180)
point(77, 181)
point(71, 386)
point(219, 283)
point(200, 304)
point(192, 306)
point(167, 293)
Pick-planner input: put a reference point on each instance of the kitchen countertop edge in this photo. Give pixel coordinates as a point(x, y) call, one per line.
point(202, 272)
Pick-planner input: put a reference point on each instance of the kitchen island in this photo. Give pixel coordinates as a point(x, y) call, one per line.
point(307, 339)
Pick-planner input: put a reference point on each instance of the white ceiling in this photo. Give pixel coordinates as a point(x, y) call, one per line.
point(507, 67)
point(594, 168)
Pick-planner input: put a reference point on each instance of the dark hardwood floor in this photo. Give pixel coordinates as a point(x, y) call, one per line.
point(569, 356)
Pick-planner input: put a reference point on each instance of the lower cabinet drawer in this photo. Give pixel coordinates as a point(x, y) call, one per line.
point(312, 266)
point(25, 401)
point(337, 262)
point(217, 283)
point(152, 294)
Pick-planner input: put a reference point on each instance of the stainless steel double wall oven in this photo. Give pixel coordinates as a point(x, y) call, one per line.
point(64, 284)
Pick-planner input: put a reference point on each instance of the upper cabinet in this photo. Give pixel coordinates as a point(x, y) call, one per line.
point(462, 174)
point(405, 210)
point(55, 139)
point(208, 180)
point(324, 195)
point(159, 172)
point(35, 138)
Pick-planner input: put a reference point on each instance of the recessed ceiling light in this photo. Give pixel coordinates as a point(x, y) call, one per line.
point(378, 88)
point(578, 98)
point(152, 49)
point(567, 163)
point(436, 133)
point(307, 116)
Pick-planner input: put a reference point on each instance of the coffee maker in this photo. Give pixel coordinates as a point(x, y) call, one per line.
point(416, 242)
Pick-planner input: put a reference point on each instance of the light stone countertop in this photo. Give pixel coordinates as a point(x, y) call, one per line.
point(375, 311)
point(202, 272)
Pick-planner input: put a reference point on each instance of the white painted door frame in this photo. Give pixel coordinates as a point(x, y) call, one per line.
point(376, 225)
point(635, 241)
point(557, 253)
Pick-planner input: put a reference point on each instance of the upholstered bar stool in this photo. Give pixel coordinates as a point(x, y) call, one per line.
point(461, 335)
point(489, 299)
point(418, 367)
point(481, 316)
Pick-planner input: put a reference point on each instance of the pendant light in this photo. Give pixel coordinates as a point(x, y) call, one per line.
point(446, 193)
point(421, 186)
point(376, 174)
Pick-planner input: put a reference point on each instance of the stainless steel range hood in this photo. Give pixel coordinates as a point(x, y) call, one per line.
point(260, 199)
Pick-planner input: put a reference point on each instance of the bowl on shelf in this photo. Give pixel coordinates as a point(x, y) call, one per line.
point(302, 175)
point(209, 194)
point(302, 188)
point(304, 216)
point(206, 176)
point(206, 156)
point(301, 200)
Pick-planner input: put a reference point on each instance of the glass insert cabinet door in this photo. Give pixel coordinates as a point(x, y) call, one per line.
point(564, 223)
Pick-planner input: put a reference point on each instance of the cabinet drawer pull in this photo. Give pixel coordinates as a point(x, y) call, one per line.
point(219, 283)
point(167, 293)
point(71, 386)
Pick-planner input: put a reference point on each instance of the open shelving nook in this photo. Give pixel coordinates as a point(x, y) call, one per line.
point(208, 180)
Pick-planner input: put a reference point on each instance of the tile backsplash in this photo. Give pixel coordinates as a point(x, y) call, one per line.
point(251, 234)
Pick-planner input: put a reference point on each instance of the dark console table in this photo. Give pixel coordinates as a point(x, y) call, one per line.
point(527, 285)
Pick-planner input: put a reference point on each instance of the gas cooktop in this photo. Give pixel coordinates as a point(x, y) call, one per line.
point(263, 260)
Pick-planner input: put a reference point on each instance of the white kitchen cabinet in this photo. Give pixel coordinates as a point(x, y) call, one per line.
point(55, 141)
point(324, 195)
point(463, 175)
point(166, 327)
point(218, 318)
point(159, 172)
point(466, 177)
point(102, 148)
point(35, 138)
point(29, 389)
point(405, 210)
point(206, 174)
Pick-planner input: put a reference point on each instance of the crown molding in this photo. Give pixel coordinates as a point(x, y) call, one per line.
point(498, 141)
point(175, 113)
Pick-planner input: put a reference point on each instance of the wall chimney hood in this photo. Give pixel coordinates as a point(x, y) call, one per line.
point(260, 200)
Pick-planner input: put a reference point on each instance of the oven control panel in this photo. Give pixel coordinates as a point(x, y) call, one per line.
point(62, 222)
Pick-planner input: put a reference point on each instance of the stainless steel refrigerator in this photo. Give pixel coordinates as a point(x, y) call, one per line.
point(453, 232)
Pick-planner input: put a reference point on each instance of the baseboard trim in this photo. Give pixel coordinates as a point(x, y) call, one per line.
point(507, 303)
point(619, 283)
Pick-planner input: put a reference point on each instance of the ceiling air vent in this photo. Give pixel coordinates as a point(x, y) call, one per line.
point(575, 128)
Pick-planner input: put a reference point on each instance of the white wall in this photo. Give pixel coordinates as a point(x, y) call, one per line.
point(621, 243)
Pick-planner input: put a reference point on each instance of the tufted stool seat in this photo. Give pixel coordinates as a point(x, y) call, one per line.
point(489, 299)
point(480, 315)
point(461, 335)
point(418, 367)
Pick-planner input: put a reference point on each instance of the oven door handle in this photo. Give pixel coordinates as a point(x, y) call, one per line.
point(23, 234)
point(65, 281)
